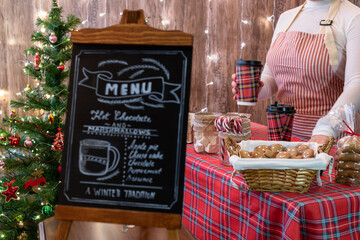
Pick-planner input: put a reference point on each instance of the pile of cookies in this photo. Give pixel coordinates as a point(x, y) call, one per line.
point(348, 163)
point(278, 151)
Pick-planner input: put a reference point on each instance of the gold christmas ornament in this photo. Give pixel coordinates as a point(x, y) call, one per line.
point(19, 217)
point(20, 224)
point(23, 236)
point(51, 118)
point(28, 88)
point(54, 4)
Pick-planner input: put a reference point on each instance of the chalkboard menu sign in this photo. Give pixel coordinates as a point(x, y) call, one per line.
point(125, 136)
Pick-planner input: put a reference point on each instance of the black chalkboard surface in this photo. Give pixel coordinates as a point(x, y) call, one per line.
point(125, 136)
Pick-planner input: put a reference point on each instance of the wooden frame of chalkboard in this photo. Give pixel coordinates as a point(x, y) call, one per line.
point(125, 136)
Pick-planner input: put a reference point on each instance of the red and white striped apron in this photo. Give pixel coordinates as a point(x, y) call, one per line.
point(300, 64)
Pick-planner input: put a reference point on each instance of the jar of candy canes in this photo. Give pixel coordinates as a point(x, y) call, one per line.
point(235, 125)
point(206, 138)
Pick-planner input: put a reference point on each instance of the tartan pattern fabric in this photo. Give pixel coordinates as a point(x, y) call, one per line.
point(248, 80)
point(280, 126)
point(213, 209)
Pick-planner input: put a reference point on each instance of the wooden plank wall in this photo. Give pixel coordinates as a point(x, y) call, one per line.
point(222, 19)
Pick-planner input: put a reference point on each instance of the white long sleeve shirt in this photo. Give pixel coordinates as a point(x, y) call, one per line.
point(346, 31)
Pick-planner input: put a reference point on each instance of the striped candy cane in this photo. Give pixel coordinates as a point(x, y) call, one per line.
point(226, 124)
point(218, 123)
point(222, 150)
point(238, 126)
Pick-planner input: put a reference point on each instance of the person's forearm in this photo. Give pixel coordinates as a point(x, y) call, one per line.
point(351, 94)
point(269, 88)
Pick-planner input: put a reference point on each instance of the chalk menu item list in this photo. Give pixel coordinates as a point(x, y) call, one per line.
point(125, 136)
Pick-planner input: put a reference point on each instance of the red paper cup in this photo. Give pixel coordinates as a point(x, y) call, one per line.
point(280, 122)
point(248, 82)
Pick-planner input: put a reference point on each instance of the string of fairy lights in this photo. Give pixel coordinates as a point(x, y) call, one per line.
point(208, 57)
point(211, 55)
point(165, 21)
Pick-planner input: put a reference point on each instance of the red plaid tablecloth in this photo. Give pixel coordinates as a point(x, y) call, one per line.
point(213, 209)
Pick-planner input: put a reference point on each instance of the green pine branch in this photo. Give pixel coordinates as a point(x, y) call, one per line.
point(36, 131)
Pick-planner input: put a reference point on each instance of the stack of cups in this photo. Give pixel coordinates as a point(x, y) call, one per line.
point(248, 82)
point(280, 121)
point(234, 125)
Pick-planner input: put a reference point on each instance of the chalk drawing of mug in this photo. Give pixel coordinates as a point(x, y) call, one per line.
point(95, 157)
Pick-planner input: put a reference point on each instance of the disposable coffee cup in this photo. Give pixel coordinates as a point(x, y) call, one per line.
point(280, 122)
point(248, 82)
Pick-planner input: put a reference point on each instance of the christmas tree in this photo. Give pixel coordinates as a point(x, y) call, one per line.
point(32, 140)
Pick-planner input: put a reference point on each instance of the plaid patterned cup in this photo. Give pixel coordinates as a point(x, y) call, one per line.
point(280, 122)
point(248, 81)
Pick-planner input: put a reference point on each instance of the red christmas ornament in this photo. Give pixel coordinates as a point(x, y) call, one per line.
point(14, 141)
point(12, 113)
point(53, 38)
point(28, 142)
point(10, 192)
point(37, 69)
point(34, 181)
point(2, 138)
point(51, 118)
point(58, 144)
point(37, 178)
point(59, 169)
point(61, 67)
point(37, 60)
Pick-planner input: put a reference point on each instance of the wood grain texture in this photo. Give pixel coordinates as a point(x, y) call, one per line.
point(222, 19)
point(131, 16)
point(63, 230)
point(173, 234)
point(132, 34)
point(14, 17)
point(4, 101)
point(145, 219)
point(108, 231)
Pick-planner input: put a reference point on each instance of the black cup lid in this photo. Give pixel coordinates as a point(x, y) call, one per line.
point(280, 108)
point(249, 63)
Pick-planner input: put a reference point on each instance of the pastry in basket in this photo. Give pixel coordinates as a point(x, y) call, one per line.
point(308, 153)
point(293, 152)
point(245, 154)
point(270, 153)
point(302, 148)
point(277, 147)
point(280, 166)
point(261, 148)
point(283, 155)
point(279, 151)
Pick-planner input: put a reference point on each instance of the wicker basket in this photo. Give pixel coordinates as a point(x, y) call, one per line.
point(276, 180)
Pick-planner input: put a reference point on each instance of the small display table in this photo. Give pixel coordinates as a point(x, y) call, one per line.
point(213, 209)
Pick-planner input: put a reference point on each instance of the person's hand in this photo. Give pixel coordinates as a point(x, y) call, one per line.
point(235, 85)
point(321, 139)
